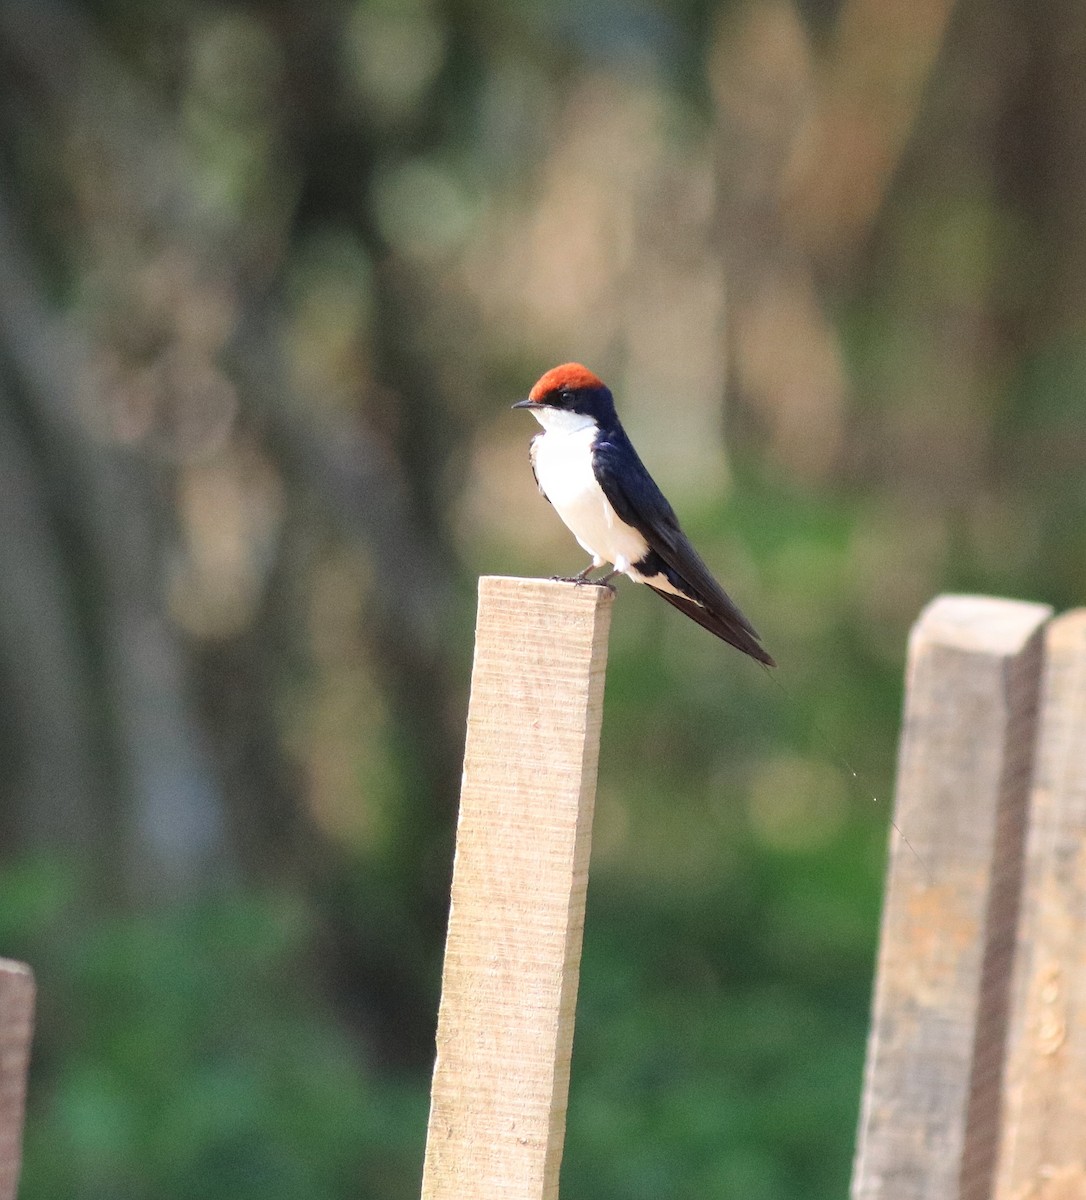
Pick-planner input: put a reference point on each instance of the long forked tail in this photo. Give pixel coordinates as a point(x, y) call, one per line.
point(735, 632)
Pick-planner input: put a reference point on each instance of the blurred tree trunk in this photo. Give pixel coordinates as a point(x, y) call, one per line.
point(48, 728)
point(979, 257)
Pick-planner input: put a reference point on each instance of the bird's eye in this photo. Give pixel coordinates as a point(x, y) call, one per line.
point(565, 395)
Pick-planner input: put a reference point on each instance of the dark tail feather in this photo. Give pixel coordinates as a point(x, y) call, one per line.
point(736, 633)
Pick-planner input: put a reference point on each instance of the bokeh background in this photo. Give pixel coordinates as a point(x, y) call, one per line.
point(271, 274)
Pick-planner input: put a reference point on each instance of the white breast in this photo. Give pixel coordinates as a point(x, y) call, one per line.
point(562, 457)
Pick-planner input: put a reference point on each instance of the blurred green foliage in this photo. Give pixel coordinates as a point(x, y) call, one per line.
point(192, 1053)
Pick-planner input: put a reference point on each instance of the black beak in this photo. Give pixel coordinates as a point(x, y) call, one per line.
point(526, 404)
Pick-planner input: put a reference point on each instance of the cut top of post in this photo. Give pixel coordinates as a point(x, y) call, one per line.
point(978, 624)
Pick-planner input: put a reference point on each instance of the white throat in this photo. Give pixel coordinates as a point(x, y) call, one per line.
point(561, 420)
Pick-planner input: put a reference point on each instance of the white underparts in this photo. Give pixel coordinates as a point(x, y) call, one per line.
point(562, 459)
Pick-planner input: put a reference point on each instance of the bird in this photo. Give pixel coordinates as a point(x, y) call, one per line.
point(586, 467)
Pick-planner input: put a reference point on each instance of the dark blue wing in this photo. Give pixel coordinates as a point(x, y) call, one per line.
point(637, 500)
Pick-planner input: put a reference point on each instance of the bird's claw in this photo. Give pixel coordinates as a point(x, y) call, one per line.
point(582, 581)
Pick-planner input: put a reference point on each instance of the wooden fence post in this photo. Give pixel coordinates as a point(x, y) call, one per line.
point(512, 955)
point(16, 1026)
point(929, 1124)
point(1043, 1150)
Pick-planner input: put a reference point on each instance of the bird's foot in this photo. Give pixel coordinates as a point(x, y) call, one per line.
point(582, 578)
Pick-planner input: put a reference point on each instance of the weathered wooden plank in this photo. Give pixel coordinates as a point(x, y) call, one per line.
point(1043, 1148)
point(928, 1126)
point(16, 1028)
point(512, 956)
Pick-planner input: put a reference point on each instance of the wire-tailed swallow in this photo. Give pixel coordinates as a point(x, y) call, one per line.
point(586, 466)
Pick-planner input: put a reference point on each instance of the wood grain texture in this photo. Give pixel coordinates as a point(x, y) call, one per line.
point(16, 1028)
point(1043, 1149)
point(929, 1120)
point(512, 955)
